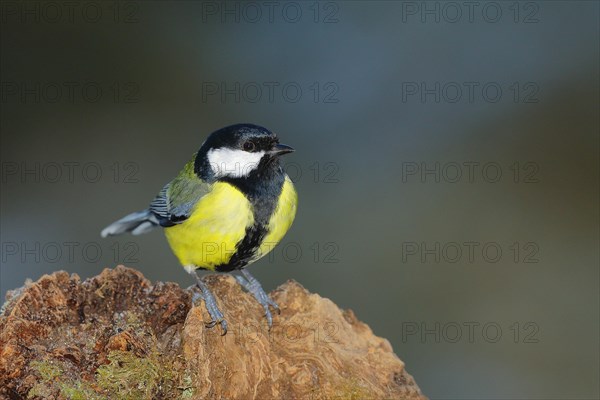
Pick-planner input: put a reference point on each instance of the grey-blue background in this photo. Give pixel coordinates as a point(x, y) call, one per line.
point(143, 78)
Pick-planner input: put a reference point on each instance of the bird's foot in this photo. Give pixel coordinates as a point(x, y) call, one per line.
point(253, 286)
point(211, 306)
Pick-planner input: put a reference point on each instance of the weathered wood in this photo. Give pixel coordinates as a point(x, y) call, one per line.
point(117, 336)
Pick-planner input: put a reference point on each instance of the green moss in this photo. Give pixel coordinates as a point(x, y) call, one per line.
point(52, 380)
point(79, 391)
point(40, 389)
point(132, 377)
point(351, 389)
point(126, 377)
point(187, 389)
point(133, 321)
point(47, 370)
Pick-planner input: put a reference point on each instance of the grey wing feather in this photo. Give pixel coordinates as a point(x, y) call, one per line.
point(174, 208)
point(173, 205)
point(176, 201)
point(160, 205)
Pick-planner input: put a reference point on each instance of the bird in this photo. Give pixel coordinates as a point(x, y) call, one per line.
point(228, 207)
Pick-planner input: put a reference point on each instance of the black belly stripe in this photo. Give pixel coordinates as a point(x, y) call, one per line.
point(245, 249)
point(262, 191)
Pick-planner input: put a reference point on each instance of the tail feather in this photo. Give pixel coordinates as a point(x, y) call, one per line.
point(136, 223)
point(144, 227)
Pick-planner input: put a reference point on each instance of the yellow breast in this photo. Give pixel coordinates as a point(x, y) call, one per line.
point(217, 223)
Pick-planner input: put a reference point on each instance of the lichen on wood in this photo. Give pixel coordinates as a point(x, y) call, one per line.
point(117, 336)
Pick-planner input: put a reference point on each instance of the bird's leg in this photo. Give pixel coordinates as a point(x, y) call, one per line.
point(211, 306)
point(254, 287)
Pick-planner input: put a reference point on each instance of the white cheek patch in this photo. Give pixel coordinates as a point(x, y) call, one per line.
point(233, 163)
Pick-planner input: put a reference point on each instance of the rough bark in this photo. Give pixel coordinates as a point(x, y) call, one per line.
point(116, 336)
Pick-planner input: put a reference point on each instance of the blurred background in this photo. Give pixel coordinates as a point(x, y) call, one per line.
point(446, 164)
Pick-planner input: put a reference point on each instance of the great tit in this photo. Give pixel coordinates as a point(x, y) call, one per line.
point(228, 207)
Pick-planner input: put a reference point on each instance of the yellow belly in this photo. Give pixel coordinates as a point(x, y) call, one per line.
point(208, 238)
point(281, 220)
point(217, 223)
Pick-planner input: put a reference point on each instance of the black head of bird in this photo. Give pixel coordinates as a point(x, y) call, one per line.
point(239, 151)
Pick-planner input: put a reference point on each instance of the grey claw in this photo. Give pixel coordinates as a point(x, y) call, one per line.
point(211, 306)
point(213, 323)
point(269, 318)
point(275, 306)
point(210, 324)
point(223, 327)
point(253, 286)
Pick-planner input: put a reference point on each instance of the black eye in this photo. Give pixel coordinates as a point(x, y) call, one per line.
point(249, 146)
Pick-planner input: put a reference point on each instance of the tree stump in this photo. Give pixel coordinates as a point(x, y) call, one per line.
point(117, 336)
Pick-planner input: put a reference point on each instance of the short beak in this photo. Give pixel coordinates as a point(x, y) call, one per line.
point(280, 149)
